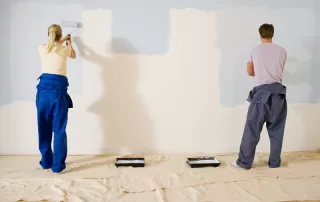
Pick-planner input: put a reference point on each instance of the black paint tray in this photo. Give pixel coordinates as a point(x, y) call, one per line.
point(130, 162)
point(203, 162)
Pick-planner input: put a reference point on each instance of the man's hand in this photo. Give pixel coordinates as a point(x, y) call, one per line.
point(250, 69)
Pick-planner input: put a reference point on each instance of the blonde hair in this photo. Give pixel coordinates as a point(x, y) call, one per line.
point(54, 35)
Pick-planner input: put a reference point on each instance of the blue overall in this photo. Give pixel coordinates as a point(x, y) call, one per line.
point(268, 105)
point(53, 103)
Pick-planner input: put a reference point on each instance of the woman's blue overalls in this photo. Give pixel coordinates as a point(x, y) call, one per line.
point(53, 103)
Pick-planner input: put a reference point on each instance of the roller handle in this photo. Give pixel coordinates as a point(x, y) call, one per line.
point(70, 36)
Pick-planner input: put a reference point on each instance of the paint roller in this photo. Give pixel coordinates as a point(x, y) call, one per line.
point(71, 24)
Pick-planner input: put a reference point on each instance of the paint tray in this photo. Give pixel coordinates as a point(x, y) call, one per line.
point(202, 162)
point(130, 162)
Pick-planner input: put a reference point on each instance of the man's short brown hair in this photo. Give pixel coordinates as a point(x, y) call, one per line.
point(266, 31)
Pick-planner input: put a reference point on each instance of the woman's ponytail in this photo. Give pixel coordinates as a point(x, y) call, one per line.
point(54, 35)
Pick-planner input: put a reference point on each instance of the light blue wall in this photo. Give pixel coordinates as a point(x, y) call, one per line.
point(315, 65)
point(145, 25)
point(5, 68)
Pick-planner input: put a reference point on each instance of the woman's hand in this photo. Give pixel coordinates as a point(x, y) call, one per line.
point(66, 38)
point(69, 42)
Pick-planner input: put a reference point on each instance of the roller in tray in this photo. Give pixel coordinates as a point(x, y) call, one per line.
point(130, 162)
point(202, 162)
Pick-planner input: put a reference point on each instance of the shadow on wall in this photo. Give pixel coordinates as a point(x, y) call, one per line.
point(235, 83)
point(126, 125)
point(302, 75)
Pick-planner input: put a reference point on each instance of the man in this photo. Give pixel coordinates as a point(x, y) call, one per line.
point(267, 99)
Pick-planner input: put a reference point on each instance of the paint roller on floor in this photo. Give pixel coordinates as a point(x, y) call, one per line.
point(71, 24)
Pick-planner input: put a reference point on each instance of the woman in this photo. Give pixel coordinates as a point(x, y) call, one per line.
point(52, 100)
